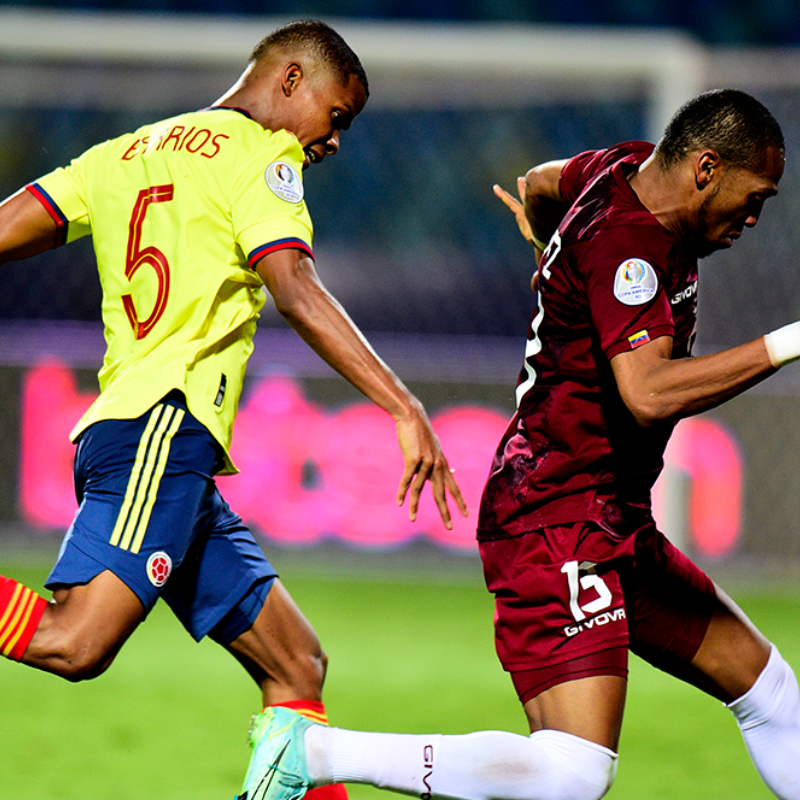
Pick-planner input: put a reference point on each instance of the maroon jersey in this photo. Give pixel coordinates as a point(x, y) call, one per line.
point(611, 279)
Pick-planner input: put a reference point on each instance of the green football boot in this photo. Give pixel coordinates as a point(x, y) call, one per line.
point(277, 769)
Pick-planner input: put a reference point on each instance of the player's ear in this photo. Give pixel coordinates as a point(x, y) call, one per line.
point(706, 164)
point(292, 76)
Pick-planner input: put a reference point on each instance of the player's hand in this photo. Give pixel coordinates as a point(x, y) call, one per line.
point(517, 208)
point(425, 462)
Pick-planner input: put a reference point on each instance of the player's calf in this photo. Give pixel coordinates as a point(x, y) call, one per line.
point(769, 719)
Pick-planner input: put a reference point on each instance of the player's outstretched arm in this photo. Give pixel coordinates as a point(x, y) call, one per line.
point(657, 388)
point(319, 319)
point(26, 229)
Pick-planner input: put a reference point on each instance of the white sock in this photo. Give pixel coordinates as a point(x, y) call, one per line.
point(549, 765)
point(769, 719)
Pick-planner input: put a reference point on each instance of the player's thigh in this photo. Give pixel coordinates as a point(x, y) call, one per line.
point(732, 654)
point(561, 626)
point(222, 583)
point(686, 626)
point(591, 708)
point(558, 596)
point(227, 589)
point(143, 485)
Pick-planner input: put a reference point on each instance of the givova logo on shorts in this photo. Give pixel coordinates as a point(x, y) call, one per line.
point(601, 619)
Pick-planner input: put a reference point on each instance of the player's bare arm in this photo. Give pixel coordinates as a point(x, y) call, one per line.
point(657, 388)
point(544, 205)
point(319, 319)
point(26, 229)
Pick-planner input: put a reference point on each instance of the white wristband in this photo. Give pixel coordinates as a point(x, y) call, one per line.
point(783, 345)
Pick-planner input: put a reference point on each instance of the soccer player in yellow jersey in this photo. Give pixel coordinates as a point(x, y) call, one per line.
point(189, 218)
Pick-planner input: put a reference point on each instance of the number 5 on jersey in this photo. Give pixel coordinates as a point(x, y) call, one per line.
point(137, 256)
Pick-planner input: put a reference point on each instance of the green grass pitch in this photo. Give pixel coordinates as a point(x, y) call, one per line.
point(169, 719)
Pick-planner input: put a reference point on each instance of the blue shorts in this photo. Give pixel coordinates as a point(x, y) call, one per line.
point(151, 513)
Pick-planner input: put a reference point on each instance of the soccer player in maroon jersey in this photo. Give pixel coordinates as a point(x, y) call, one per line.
point(580, 573)
point(570, 549)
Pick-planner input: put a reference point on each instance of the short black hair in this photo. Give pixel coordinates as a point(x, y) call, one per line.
point(731, 122)
point(318, 40)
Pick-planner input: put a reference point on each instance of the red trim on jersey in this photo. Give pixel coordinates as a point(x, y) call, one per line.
point(53, 210)
point(280, 244)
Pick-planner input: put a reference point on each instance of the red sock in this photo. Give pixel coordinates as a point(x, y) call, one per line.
point(20, 612)
point(315, 711)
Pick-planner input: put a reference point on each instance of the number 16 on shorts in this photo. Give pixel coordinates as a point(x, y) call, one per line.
point(590, 588)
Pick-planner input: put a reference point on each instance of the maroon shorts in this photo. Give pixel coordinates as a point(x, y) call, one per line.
point(571, 600)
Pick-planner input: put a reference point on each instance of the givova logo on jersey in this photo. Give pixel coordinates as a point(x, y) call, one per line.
point(689, 291)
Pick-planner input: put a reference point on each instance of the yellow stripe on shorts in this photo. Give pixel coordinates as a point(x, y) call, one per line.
point(144, 517)
point(148, 469)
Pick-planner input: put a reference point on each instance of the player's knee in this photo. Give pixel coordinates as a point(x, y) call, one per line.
point(586, 770)
point(81, 665)
point(75, 658)
point(601, 779)
point(587, 782)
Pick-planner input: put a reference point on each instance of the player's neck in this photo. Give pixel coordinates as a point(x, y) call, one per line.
point(663, 193)
point(251, 95)
point(237, 97)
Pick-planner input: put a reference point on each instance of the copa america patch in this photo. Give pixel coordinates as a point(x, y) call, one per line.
point(159, 567)
point(284, 181)
point(636, 282)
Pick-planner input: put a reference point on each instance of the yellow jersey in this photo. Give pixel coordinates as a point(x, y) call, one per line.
point(179, 211)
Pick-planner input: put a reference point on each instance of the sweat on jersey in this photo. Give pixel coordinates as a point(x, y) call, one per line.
point(611, 279)
point(179, 212)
